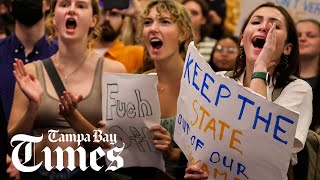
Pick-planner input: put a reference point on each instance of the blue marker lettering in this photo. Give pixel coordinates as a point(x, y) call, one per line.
point(245, 100)
point(205, 86)
point(241, 169)
point(257, 117)
point(188, 63)
point(212, 155)
point(277, 127)
point(199, 144)
point(222, 86)
point(179, 119)
point(195, 73)
point(225, 163)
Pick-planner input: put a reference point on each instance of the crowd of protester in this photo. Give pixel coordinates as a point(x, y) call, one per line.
point(84, 38)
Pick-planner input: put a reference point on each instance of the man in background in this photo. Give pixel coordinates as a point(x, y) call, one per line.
point(110, 45)
point(28, 43)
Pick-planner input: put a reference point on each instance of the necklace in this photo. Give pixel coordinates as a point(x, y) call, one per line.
point(65, 77)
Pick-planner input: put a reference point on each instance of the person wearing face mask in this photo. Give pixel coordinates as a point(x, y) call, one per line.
point(28, 43)
point(110, 45)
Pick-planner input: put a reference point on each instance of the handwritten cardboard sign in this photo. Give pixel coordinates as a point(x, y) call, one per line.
point(229, 131)
point(130, 106)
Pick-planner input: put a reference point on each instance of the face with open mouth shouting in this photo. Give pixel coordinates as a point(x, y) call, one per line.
point(67, 15)
point(255, 34)
point(161, 35)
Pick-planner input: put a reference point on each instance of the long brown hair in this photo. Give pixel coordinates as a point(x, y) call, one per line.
point(206, 28)
point(285, 68)
point(315, 123)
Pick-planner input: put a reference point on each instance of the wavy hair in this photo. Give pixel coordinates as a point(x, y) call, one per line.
point(179, 14)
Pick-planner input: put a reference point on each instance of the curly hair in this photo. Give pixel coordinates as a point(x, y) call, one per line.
point(179, 15)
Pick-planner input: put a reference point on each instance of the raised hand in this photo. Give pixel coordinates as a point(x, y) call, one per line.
point(68, 103)
point(162, 139)
point(28, 83)
point(266, 55)
point(68, 109)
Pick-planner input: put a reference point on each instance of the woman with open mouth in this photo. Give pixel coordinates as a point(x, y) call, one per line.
point(166, 32)
point(37, 101)
point(268, 65)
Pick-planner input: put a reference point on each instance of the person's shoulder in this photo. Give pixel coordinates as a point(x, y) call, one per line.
point(3, 41)
point(134, 52)
point(52, 44)
point(300, 85)
point(114, 66)
point(3, 45)
point(6, 41)
point(119, 45)
point(227, 74)
point(209, 39)
point(222, 73)
point(300, 82)
point(134, 48)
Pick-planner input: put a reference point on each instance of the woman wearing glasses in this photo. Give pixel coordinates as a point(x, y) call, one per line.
point(224, 54)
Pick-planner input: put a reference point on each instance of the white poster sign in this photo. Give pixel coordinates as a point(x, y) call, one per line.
point(130, 107)
point(229, 131)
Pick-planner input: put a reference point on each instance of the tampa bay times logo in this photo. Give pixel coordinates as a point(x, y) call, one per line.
point(24, 143)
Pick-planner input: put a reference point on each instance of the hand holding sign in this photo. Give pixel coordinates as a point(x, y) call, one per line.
point(219, 126)
point(130, 107)
point(195, 173)
point(162, 139)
